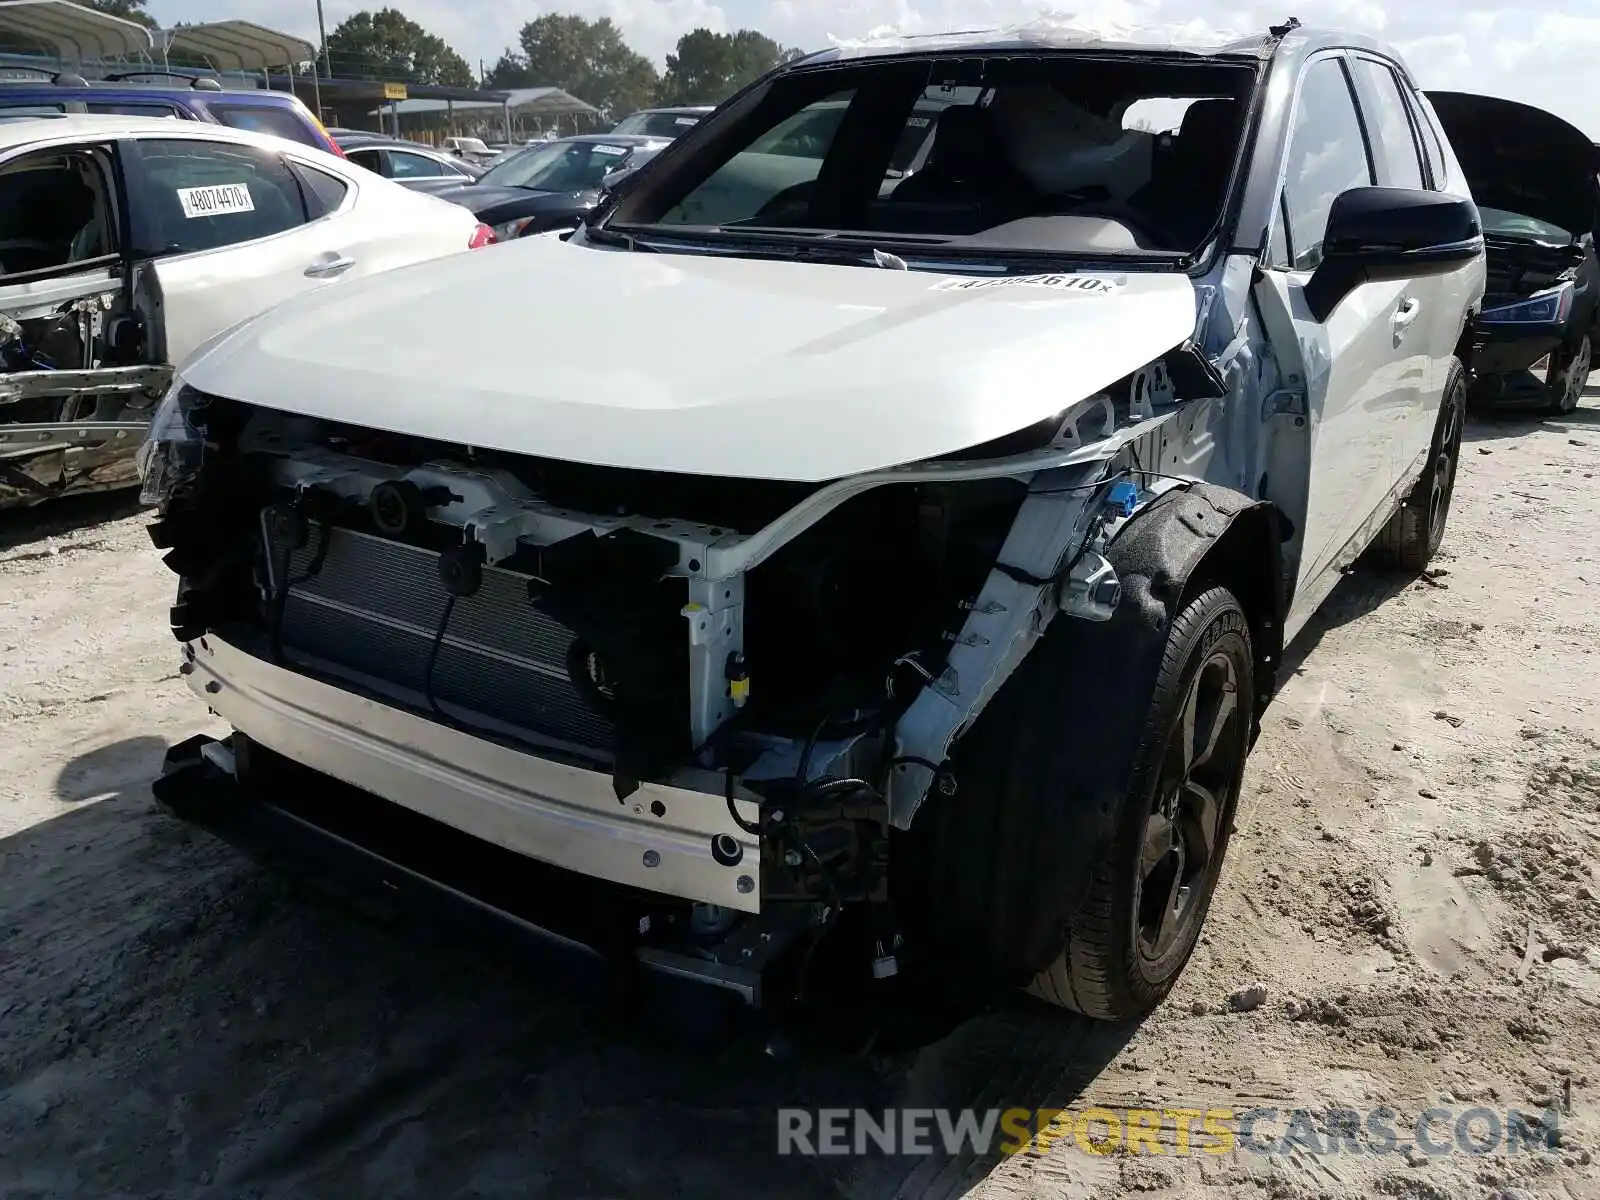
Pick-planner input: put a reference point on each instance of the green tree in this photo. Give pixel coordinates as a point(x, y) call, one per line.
point(389, 45)
point(710, 67)
point(129, 10)
point(589, 59)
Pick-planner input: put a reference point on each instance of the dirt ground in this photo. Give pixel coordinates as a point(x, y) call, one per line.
point(1414, 887)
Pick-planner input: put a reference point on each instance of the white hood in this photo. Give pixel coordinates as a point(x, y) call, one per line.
point(697, 364)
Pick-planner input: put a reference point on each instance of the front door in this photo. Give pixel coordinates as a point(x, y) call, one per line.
point(74, 392)
point(1354, 368)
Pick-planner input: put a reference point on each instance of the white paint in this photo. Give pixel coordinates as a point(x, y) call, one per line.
point(380, 225)
point(216, 200)
point(701, 364)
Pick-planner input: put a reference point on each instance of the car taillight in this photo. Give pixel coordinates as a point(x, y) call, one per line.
point(482, 236)
point(328, 143)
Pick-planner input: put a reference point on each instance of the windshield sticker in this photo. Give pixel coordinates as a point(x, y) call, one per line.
point(1094, 285)
point(685, 121)
point(612, 151)
point(215, 200)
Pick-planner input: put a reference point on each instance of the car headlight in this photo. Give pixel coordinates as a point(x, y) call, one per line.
point(1549, 307)
point(507, 230)
point(170, 457)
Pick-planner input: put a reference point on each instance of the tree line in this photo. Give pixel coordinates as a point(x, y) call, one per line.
point(589, 59)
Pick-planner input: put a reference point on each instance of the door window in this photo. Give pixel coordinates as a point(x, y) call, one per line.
point(372, 160)
point(1432, 154)
point(406, 165)
point(55, 211)
point(1394, 142)
point(1327, 156)
point(324, 193)
point(131, 108)
point(198, 195)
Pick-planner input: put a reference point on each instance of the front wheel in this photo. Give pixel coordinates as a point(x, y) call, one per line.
point(1130, 939)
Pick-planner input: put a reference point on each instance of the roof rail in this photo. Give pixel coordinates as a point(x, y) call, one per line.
point(204, 83)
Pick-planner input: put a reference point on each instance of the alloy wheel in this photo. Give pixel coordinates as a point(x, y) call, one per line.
point(1441, 485)
point(1184, 829)
point(1574, 378)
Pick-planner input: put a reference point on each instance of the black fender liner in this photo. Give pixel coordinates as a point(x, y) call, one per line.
point(1186, 541)
point(997, 871)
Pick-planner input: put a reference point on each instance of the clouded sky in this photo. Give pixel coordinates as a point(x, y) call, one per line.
point(1541, 53)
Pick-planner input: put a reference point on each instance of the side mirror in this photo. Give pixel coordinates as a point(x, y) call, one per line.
point(616, 182)
point(1377, 234)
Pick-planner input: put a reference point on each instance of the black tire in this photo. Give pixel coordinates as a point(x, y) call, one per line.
point(1410, 538)
point(991, 868)
point(1569, 375)
point(1115, 965)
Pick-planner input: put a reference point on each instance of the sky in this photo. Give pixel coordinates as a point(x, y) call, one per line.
point(1538, 52)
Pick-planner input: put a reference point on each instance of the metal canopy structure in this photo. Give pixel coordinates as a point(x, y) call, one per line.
point(547, 102)
point(528, 102)
point(238, 45)
point(75, 34)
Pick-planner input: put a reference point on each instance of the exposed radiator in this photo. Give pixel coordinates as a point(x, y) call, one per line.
point(374, 607)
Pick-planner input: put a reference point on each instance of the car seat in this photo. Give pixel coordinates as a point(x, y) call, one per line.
point(968, 177)
point(1189, 175)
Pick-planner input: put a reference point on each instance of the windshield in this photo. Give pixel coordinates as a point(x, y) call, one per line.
point(558, 166)
point(1497, 222)
point(658, 124)
point(1069, 154)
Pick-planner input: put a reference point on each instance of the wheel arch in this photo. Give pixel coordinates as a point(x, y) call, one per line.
point(999, 866)
point(1205, 536)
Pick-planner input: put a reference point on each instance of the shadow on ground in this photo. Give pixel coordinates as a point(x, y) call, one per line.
point(68, 515)
point(1492, 424)
point(174, 1019)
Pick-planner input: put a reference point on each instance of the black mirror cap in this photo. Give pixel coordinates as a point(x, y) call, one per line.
point(1378, 233)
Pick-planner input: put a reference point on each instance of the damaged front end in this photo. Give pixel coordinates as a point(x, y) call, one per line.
point(720, 695)
point(75, 397)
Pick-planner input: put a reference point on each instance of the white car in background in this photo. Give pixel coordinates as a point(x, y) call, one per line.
point(126, 242)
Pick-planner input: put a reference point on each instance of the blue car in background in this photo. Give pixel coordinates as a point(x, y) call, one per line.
point(187, 97)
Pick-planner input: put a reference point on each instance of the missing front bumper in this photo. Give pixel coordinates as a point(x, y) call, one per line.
point(674, 839)
point(365, 852)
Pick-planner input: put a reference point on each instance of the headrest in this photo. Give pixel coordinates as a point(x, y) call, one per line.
point(1211, 122)
point(963, 134)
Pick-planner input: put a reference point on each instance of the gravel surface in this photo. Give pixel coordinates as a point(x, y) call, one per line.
point(1409, 918)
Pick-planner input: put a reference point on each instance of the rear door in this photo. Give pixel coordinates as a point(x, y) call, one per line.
point(1423, 340)
point(227, 231)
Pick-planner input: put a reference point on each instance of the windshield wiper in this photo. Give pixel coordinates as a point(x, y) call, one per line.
point(611, 237)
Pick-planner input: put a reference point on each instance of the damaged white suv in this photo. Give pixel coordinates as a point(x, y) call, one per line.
point(915, 560)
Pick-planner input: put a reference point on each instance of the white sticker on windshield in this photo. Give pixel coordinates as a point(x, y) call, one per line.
point(215, 200)
point(1094, 285)
point(685, 121)
point(613, 151)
